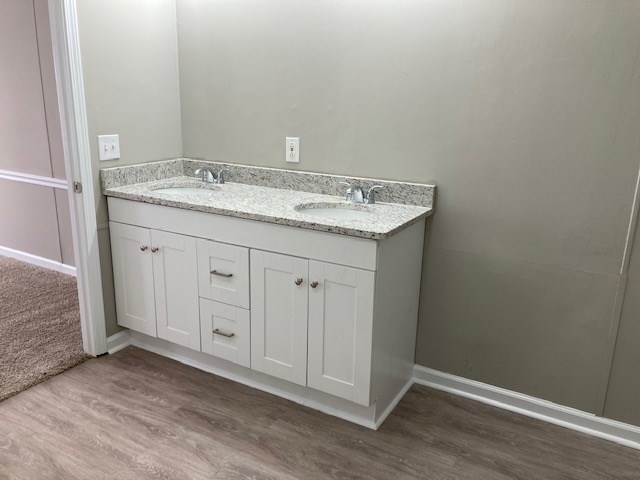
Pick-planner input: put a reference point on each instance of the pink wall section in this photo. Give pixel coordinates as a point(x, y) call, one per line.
point(33, 219)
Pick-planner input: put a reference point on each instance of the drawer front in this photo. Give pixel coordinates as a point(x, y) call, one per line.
point(225, 332)
point(223, 273)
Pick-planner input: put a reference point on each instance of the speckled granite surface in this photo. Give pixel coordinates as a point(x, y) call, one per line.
point(393, 192)
point(243, 196)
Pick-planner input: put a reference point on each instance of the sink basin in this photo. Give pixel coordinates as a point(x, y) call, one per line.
point(185, 190)
point(338, 211)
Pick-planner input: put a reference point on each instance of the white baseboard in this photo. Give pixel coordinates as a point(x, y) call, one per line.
point(567, 417)
point(118, 341)
point(39, 261)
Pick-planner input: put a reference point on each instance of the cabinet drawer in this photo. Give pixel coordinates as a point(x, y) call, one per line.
point(223, 273)
point(225, 332)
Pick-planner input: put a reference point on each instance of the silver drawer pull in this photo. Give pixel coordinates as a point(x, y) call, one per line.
point(218, 332)
point(298, 281)
point(314, 284)
point(143, 247)
point(220, 274)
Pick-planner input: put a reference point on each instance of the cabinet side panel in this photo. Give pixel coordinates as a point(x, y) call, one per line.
point(396, 313)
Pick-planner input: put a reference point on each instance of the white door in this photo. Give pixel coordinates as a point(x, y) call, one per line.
point(175, 271)
point(133, 277)
point(225, 331)
point(223, 273)
point(279, 315)
point(340, 330)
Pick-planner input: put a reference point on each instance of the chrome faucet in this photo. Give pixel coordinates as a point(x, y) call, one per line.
point(209, 176)
point(206, 174)
point(355, 193)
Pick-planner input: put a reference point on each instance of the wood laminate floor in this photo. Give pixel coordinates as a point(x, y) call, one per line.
point(138, 415)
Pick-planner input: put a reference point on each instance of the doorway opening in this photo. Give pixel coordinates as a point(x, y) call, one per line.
point(40, 314)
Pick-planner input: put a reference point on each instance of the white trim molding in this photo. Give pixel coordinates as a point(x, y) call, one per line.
point(39, 261)
point(34, 179)
point(550, 412)
point(77, 155)
point(118, 341)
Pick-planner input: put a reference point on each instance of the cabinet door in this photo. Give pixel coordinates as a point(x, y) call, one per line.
point(340, 330)
point(279, 315)
point(223, 273)
point(225, 331)
point(133, 277)
point(175, 271)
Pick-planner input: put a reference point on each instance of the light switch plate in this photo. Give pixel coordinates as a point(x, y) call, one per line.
point(109, 147)
point(292, 153)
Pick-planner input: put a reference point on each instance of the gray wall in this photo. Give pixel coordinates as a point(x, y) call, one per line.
point(623, 395)
point(130, 68)
point(33, 219)
point(526, 113)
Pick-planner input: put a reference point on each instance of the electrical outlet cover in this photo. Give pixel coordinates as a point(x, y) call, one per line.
point(292, 150)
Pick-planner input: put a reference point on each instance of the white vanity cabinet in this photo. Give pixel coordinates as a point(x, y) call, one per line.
point(156, 281)
point(327, 320)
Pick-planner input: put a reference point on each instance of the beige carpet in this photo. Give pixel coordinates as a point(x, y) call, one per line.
point(40, 332)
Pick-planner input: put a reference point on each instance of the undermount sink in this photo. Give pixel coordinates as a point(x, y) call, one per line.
point(338, 211)
point(186, 190)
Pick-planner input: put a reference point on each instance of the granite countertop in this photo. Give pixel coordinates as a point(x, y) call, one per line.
point(274, 205)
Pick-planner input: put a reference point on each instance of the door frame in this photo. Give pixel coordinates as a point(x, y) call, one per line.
point(77, 157)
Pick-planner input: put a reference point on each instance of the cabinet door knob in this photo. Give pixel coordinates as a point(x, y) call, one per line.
point(155, 249)
point(298, 281)
point(313, 284)
point(143, 247)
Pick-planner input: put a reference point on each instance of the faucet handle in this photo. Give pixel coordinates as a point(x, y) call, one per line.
point(220, 176)
point(371, 194)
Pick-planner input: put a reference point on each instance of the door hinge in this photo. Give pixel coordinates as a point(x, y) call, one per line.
point(77, 187)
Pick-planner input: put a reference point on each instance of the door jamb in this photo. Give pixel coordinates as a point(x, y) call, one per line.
point(77, 155)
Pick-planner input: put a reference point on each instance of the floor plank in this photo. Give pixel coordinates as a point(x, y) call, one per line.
point(136, 415)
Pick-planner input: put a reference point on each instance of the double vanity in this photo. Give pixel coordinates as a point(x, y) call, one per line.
point(290, 282)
